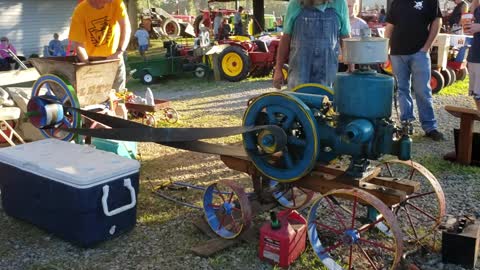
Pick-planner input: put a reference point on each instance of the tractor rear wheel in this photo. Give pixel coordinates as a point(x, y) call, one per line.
point(461, 74)
point(446, 77)
point(436, 81)
point(234, 64)
point(196, 24)
point(452, 74)
point(171, 27)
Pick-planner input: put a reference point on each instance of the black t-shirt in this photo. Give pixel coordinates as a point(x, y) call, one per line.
point(456, 14)
point(411, 20)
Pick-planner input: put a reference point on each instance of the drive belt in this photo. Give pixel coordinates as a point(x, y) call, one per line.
point(182, 138)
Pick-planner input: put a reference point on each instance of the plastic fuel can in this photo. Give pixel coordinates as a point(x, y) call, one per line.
point(283, 239)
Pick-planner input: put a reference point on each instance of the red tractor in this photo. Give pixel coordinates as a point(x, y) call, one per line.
point(241, 57)
point(206, 18)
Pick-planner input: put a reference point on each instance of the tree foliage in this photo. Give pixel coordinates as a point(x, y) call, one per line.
point(192, 7)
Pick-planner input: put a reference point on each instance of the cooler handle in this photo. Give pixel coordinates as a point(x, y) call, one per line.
point(126, 183)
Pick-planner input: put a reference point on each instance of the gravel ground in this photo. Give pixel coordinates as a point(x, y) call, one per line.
point(164, 233)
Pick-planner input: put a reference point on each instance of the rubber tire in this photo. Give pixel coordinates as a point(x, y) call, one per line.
point(196, 24)
point(452, 74)
point(197, 73)
point(144, 78)
point(461, 74)
point(176, 25)
point(436, 75)
point(447, 78)
point(246, 63)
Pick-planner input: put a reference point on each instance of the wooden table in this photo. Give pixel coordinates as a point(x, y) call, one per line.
point(465, 138)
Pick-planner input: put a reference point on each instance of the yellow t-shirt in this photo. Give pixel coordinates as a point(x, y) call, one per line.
point(98, 29)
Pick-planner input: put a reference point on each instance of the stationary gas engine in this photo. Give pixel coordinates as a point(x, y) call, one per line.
point(321, 126)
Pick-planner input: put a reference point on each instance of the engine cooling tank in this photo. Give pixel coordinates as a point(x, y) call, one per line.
point(364, 94)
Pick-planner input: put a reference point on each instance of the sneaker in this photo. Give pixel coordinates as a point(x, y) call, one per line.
point(435, 135)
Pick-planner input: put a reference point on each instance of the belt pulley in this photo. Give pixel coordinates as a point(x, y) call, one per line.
point(182, 138)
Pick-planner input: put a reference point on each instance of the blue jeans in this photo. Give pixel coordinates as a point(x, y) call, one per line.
point(414, 71)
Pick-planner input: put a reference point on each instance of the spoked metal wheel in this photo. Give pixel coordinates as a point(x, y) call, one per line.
point(171, 115)
point(227, 209)
point(62, 91)
point(150, 120)
point(343, 229)
point(422, 211)
point(291, 114)
point(290, 196)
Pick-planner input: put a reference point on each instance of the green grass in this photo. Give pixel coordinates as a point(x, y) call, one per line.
point(457, 88)
point(437, 166)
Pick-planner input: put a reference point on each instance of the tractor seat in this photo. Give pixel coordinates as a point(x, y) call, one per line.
point(262, 45)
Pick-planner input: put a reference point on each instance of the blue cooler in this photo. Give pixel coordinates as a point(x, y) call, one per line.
point(76, 192)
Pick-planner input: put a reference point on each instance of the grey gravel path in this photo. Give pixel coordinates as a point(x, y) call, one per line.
point(167, 246)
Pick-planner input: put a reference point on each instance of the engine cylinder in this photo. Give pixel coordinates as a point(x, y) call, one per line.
point(364, 94)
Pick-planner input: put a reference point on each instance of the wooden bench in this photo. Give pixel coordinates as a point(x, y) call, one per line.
point(465, 138)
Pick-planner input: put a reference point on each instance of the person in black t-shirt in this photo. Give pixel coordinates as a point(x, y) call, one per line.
point(412, 26)
point(456, 15)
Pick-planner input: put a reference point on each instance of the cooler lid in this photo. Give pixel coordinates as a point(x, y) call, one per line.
point(75, 165)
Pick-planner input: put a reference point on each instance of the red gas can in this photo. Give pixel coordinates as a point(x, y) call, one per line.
point(282, 245)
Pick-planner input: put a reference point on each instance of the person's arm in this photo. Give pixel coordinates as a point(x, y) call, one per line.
point(434, 30)
point(81, 51)
point(125, 32)
point(472, 28)
point(282, 56)
point(11, 48)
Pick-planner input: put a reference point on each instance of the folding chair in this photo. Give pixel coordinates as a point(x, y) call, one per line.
point(9, 114)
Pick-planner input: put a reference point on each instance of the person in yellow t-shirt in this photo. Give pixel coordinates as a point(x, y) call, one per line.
point(101, 29)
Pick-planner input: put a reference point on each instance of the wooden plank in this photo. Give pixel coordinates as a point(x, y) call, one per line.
point(213, 246)
point(408, 186)
point(316, 183)
point(462, 111)
point(464, 155)
point(18, 76)
point(237, 163)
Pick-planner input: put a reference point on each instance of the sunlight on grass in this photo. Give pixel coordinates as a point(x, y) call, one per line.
point(457, 88)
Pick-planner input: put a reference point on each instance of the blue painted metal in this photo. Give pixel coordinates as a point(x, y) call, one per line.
point(211, 211)
point(351, 236)
point(64, 92)
point(358, 131)
point(364, 95)
point(361, 126)
point(315, 89)
point(296, 118)
point(463, 51)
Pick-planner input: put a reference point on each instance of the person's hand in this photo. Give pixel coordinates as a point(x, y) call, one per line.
point(116, 55)
point(278, 78)
point(425, 49)
point(471, 28)
point(351, 67)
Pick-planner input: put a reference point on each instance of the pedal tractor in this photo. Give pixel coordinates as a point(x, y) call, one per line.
point(241, 57)
point(177, 60)
point(364, 212)
point(457, 58)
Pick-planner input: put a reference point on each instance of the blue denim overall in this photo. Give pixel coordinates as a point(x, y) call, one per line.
point(314, 48)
